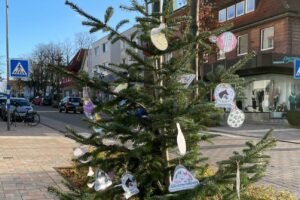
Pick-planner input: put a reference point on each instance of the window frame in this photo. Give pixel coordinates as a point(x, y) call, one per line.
point(246, 6)
point(96, 50)
point(236, 9)
point(225, 9)
point(261, 38)
point(238, 44)
point(227, 12)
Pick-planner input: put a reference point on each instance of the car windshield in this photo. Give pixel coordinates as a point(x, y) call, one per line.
point(74, 99)
point(21, 102)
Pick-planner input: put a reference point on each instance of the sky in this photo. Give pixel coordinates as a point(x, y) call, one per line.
point(34, 22)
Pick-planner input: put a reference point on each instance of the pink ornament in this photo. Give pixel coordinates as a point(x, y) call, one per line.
point(227, 42)
point(88, 108)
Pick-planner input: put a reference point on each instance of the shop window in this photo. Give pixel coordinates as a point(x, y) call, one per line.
point(267, 38)
point(240, 8)
point(250, 6)
point(231, 12)
point(221, 55)
point(242, 45)
point(222, 15)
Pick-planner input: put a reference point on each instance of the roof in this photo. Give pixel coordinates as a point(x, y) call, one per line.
point(77, 61)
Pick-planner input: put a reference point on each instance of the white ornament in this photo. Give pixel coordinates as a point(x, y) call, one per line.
point(158, 38)
point(91, 185)
point(181, 141)
point(129, 185)
point(120, 87)
point(91, 172)
point(213, 39)
point(79, 152)
point(182, 180)
point(186, 79)
point(224, 95)
point(102, 181)
point(236, 118)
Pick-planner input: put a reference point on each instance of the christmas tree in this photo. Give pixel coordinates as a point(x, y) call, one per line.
point(154, 112)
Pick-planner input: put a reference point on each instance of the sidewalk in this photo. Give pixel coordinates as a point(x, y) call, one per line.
point(283, 171)
point(281, 132)
point(28, 156)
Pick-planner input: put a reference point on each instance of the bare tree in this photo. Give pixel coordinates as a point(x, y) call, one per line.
point(68, 49)
point(83, 40)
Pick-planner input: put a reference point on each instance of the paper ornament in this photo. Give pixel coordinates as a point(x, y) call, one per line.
point(224, 95)
point(227, 42)
point(102, 181)
point(186, 79)
point(91, 172)
point(213, 39)
point(98, 130)
point(120, 87)
point(129, 185)
point(182, 180)
point(91, 185)
point(236, 118)
point(79, 152)
point(88, 108)
point(181, 141)
point(158, 38)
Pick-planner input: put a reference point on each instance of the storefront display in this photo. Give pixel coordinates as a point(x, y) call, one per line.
point(271, 93)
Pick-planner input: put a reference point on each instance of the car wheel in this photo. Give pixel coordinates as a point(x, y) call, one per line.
point(74, 111)
point(66, 110)
point(81, 112)
point(60, 110)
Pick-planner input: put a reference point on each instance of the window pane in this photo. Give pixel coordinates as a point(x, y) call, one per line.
point(222, 15)
point(240, 8)
point(231, 12)
point(267, 37)
point(242, 44)
point(179, 3)
point(250, 6)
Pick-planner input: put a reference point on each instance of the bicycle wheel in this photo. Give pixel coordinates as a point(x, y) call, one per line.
point(34, 120)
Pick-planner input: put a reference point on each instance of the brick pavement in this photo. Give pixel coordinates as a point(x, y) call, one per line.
point(27, 160)
point(283, 171)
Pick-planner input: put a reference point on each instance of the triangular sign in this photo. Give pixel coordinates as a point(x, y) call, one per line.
point(19, 70)
point(298, 72)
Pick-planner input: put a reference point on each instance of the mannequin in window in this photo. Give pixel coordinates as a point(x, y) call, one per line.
point(260, 98)
point(292, 100)
point(254, 105)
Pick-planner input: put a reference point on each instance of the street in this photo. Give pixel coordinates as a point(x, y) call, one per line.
point(52, 118)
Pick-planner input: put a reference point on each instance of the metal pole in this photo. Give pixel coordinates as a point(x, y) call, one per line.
point(7, 68)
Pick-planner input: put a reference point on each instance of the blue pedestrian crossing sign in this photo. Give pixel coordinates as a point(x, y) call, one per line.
point(19, 68)
point(297, 69)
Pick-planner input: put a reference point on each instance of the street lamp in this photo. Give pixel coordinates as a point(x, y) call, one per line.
point(7, 68)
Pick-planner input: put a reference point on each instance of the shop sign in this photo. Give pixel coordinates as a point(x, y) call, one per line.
point(285, 60)
point(297, 69)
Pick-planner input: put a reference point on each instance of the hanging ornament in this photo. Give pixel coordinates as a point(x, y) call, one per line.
point(238, 180)
point(186, 79)
point(224, 95)
point(102, 181)
point(213, 39)
point(88, 108)
point(79, 152)
point(181, 141)
point(120, 87)
point(90, 174)
point(158, 38)
point(236, 118)
point(227, 42)
point(98, 130)
point(129, 185)
point(182, 180)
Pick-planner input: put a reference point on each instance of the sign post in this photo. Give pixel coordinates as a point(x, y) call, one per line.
point(7, 65)
point(297, 69)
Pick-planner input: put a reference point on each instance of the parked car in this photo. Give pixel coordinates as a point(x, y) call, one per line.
point(21, 104)
point(2, 103)
point(71, 104)
point(40, 100)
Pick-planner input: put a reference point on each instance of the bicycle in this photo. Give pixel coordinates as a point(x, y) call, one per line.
point(31, 118)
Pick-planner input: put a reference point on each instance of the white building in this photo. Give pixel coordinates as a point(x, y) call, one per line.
point(103, 52)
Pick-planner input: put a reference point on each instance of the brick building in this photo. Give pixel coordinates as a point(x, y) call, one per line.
point(271, 28)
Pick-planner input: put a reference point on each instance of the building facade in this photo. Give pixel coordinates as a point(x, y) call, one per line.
point(271, 29)
point(104, 53)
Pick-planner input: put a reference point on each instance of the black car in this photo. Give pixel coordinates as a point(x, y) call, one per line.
point(70, 104)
